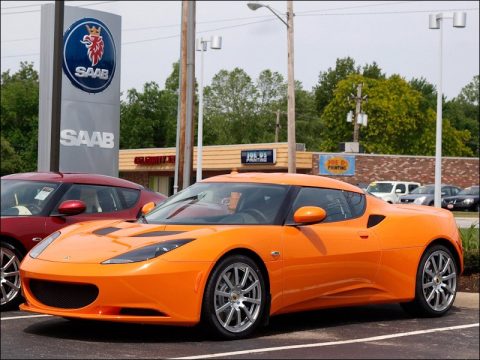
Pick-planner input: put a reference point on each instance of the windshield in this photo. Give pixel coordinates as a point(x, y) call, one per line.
point(424, 190)
point(380, 187)
point(472, 190)
point(25, 198)
point(221, 203)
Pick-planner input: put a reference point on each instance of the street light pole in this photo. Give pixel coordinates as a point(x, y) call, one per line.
point(435, 22)
point(215, 43)
point(292, 144)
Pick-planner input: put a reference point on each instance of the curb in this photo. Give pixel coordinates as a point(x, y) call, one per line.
point(467, 300)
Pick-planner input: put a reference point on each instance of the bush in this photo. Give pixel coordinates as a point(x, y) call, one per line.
point(471, 252)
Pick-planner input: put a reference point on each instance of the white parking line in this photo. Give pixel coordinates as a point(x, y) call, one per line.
point(352, 341)
point(23, 317)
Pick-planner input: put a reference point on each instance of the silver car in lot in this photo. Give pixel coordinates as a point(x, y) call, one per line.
point(424, 195)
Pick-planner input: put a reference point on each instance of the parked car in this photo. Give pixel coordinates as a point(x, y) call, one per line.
point(391, 190)
point(424, 195)
point(233, 250)
point(467, 199)
point(34, 205)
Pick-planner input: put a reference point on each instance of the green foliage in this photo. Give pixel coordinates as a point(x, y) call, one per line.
point(471, 252)
point(19, 120)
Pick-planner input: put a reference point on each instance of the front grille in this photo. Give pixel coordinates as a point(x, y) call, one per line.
point(63, 295)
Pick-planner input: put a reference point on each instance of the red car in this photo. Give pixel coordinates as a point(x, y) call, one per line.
point(34, 205)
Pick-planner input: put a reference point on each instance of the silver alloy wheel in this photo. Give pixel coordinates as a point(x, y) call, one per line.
point(439, 280)
point(238, 297)
point(10, 280)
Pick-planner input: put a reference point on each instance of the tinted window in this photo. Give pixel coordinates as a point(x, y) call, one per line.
point(130, 197)
point(332, 201)
point(356, 202)
point(98, 199)
point(400, 187)
point(412, 187)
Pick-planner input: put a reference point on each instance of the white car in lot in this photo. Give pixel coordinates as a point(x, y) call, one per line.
point(390, 191)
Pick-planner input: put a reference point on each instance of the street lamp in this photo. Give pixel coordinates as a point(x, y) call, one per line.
point(215, 43)
point(435, 22)
point(291, 82)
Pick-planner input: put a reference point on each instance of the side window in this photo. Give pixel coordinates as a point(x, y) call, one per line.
point(356, 202)
point(129, 197)
point(332, 201)
point(455, 190)
point(412, 187)
point(98, 199)
point(400, 187)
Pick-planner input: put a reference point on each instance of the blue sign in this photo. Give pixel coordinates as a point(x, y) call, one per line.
point(89, 55)
point(337, 165)
point(258, 156)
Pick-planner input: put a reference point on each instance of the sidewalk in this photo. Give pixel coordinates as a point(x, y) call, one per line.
point(467, 300)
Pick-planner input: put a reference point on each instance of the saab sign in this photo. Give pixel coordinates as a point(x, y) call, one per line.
point(90, 114)
point(89, 55)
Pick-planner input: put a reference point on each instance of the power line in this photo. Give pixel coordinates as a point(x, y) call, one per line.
point(354, 7)
point(390, 12)
point(31, 11)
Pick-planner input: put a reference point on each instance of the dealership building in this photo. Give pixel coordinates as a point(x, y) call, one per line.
point(155, 167)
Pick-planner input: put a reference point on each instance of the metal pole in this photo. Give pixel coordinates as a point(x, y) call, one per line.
point(292, 144)
point(356, 125)
point(438, 142)
point(277, 126)
point(57, 87)
point(200, 117)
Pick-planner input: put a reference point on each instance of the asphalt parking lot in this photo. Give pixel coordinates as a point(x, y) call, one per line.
point(380, 331)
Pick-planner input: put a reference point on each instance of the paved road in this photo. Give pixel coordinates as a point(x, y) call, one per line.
point(382, 331)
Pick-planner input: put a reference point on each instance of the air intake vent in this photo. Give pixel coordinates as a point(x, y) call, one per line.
point(158, 233)
point(105, 231)
point(374, 220)
point(63, 295)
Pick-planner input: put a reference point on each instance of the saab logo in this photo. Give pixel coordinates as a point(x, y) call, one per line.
point(89, 55)
point(69, 137)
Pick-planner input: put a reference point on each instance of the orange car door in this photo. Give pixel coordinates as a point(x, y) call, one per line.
point(332, 262)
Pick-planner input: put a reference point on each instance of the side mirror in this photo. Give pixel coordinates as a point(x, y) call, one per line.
point(398, 191)
point(147, 207)
point(72, 207)
point(309, 215)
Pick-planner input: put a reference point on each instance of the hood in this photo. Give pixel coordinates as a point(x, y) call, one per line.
point(460, 197)
point(98, 241)
point(416, 196)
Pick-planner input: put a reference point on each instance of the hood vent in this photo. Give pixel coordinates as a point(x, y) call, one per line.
point(106, 231)
point(158, 233)
point(374, 220)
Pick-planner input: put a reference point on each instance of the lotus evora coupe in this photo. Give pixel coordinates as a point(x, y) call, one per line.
point(233, 250)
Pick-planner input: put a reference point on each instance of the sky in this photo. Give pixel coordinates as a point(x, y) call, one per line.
point(394, 34)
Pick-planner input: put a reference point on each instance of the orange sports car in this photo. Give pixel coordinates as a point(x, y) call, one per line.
point(233, 250)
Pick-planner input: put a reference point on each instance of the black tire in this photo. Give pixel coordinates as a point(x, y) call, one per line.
point(10, 283)
point(236, 304)
point(435, 282)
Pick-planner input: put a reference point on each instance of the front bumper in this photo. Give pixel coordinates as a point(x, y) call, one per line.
point(154, 291)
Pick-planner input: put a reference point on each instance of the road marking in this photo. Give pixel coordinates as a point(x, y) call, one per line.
point(330, 343)
point(23, 317)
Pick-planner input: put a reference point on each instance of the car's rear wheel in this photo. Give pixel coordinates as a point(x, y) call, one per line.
point(436, 283)
point(235, 298)
point(10, 276)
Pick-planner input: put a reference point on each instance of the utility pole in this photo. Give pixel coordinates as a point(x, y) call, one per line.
point(277, 126)
point(184, 144)
point(358, 107)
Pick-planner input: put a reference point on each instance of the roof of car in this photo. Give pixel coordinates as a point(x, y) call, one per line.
point(285, 179)
point(79, 178)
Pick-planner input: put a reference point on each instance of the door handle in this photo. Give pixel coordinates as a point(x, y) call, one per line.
point(363, 234)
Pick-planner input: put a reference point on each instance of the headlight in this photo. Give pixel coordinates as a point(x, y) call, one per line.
point(147, 252)
point(468, 201)
point(419, 200)
point(42, 245)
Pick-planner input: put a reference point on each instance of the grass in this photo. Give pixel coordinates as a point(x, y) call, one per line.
point(469, 214)
point(471, 252)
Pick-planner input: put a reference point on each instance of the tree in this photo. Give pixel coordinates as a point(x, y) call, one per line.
point(19, 119)
point(397, 124)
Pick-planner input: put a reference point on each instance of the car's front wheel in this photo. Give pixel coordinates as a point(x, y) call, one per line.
point(10, 276)
point(436, 283)
point(234, 298)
